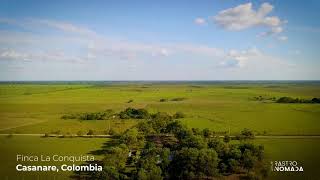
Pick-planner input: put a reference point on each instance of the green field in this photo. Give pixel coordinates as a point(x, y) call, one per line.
point(32, 108)
point(35, 108)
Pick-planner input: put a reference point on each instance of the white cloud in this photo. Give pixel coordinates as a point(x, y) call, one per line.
point(282, 38)
point(64, 26)
point(236, 58)
point(272, 31)
point(31, 23)
point(244, 16)
point(276, 30)
point(56, 56)
point(13, 55)
point(89, 46)
point(254, 61)
point(200, 21)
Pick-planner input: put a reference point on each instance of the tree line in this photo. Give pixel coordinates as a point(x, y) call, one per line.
point(128, 113)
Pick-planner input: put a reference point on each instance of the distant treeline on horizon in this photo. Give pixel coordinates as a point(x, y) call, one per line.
point(317, 82)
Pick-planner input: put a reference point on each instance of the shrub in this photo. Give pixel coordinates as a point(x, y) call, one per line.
point(196, 131)
point(178, 99)
point(90, 132)
point(246, 134)
point(90, 116)
point(134, 114)
point(179, 115)
point(207, 133)
point(111, 131)
point(226, 138)
point(297, 100)
point(80, 133)
point(315, 100)
point(288, 100)
point(163, 100)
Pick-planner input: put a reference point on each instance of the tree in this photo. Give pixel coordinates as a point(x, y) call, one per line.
point(234, 152)
point(315, 100)
point(233, 166)
point(132, 137)
point(153, 173)
point(189, 163)
point(80, 133)
point(246, 134)
point(226, 138)
point(218, 145)
point(160, 121)
point(134, 114)
point(174, 127)
point(183, 165)
point(165, 160)
point(207, 163)
point(206, 133)
point(248, 160)
point(196, 131)
point(90, 132)
point(117, 157)
point(193, 141)
point(179, 115)
point(145, 127)
point(163, 100)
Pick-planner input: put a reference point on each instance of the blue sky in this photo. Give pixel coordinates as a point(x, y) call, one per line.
point(159, 40)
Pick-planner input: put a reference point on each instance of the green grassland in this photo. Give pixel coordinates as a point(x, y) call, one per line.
point(37, 108)
point(26, 145)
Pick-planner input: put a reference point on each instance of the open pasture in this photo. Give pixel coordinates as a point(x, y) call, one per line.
point(227, 106)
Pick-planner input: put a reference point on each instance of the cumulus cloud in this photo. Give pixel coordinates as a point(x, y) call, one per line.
point(244, 16)
point(236, 58)
point(200, 21)
point(253, 59)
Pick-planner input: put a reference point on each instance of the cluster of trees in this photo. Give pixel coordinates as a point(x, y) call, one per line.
point(173, 99)
point(297, 100)
point(128, 113)
point(262, 98)
point(107, 114)
point(287, 99)
point(163, 148)
point(132, 113)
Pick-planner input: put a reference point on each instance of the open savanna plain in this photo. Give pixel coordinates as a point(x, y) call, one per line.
point(224, 107)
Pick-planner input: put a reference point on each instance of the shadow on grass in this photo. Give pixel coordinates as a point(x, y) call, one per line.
point(114, 141)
